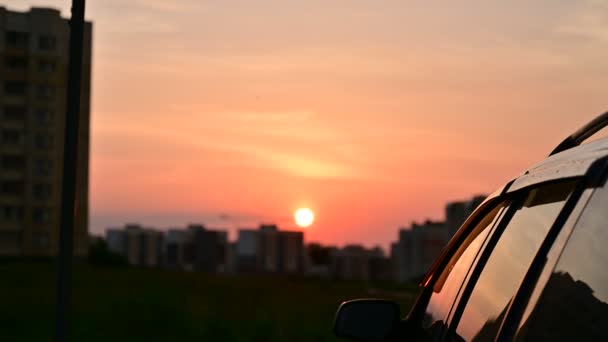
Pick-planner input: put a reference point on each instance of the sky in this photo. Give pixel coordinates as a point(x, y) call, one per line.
point(373, 114)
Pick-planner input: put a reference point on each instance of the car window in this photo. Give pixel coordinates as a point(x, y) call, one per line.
point(574, 302)
point(552, 256)
point(449, 281)
point(509, 260)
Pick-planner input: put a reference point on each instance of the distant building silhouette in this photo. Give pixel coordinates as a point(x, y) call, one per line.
point(355, 262)
point(419, 245)
point(248, 251)
point(380, 266)
point(457, 212)
point(175, 249)
point(319, 260)
point(417, 248)
point(194, 248)
point(33, 83)
point(270, 250)
point(140, 246)
point(352, 262)
point(209, 249)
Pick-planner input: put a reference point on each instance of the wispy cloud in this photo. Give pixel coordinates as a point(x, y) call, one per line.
point(589, 21)
point(143, 23)
point(284, 116)
point(171, 5)
point(281, 158)
point(301, 164)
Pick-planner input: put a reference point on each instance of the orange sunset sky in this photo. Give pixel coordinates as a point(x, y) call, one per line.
point(371, 113)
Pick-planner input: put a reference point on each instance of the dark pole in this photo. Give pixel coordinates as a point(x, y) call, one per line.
point(68, 181)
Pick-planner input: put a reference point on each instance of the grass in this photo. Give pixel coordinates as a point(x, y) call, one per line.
point(128, 304)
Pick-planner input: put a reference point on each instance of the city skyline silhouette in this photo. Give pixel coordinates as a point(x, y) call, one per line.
point(365, 113)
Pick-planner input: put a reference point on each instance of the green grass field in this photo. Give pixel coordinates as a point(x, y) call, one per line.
point(128, 304)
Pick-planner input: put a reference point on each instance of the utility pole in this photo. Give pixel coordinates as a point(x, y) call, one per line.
point(68, 181)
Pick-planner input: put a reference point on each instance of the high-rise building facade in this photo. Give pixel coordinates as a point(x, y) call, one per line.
point(33, 85)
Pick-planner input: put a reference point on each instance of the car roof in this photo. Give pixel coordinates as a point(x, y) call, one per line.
point(573, 162)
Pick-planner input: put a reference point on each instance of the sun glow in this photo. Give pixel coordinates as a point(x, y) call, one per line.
point(304, 217)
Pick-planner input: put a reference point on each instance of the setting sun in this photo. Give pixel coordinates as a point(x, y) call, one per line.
point(304, 217)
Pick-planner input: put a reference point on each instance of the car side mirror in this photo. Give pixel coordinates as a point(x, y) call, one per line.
point(367, 320)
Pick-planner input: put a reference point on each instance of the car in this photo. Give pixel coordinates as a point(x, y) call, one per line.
point(530, 263)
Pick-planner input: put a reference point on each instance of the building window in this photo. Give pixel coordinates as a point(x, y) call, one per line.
point(43, 167)
point(43, 116)
point(13, 162)
point(11, 213)
point(41, 215)
point(43, 141)
point(12, 137)
point(12, 188)
point(47, 42)
point(45, 92)
point(42, 191)
point(41, 239)
point(17, 88)
point(16, 62)
point(47, 66)
point(17, 39)
point(14, 113)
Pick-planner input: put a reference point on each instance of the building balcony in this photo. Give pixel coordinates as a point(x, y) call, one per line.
point(16, 50)
point(15, 74)
point(10, 225)
point(12, 174)
point(14, 99)
point(12, 124)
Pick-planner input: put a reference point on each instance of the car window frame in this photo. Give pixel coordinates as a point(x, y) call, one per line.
point(416, 314)
point(517, 198)
point(515, 315)
point(502, 205)
point(513, 320)
point(595, 177)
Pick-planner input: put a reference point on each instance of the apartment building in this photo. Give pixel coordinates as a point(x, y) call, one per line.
point(33, 84)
